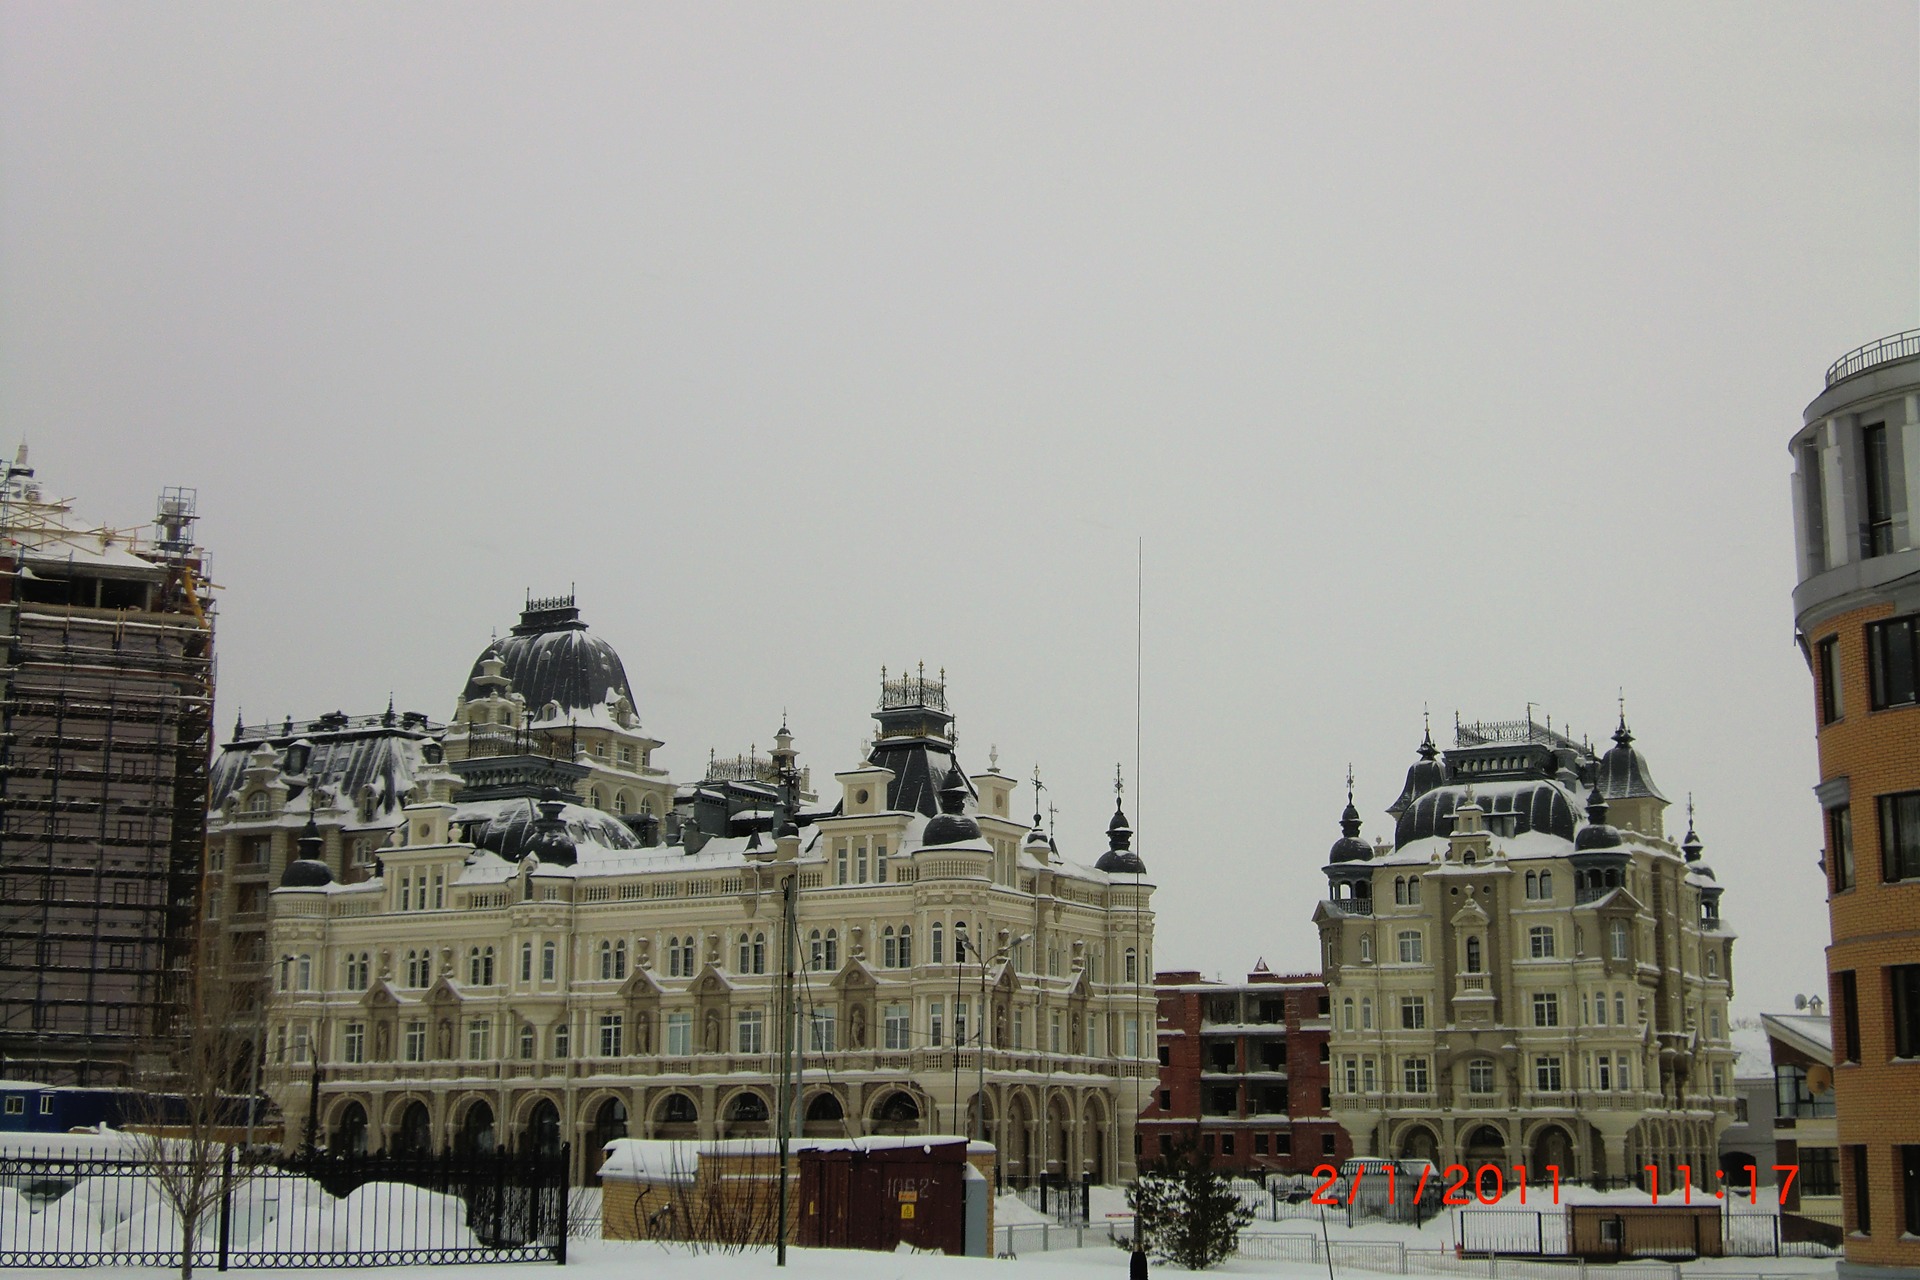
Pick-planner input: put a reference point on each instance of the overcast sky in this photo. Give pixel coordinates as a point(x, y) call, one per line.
point(1439, 355)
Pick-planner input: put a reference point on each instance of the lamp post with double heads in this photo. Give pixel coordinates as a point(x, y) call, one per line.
point(961, 944)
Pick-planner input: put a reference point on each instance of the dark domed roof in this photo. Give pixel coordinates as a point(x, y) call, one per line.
point(515, 827)
point(550, 657)
point(1597, 834)
point(1538, 805)
point(950, 826)
point(1424, 775)
point(1350, 847)
point(1623, 772)
point(1120, 859)
point(306, 873)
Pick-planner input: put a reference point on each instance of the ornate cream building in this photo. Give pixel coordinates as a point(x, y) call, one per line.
point(1512, 985)
point(510, 962)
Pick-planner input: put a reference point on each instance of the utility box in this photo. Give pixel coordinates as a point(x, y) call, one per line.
point(885, 1192)
point(1644, 1231)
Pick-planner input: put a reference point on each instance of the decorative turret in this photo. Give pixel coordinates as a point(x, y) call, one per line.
point(1120, 859)
point(549, 838)
point(1424, 775)
point(310, 869)
point(1596, 834)
point(1350, 847)
point(1622, 776)
point(951, 825)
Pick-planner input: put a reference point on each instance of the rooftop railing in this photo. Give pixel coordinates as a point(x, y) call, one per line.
point(1899, 346)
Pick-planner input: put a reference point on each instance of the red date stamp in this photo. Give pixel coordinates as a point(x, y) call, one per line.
point(1487, 1184)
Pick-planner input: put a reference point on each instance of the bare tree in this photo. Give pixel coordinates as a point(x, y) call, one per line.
point(182, 1114)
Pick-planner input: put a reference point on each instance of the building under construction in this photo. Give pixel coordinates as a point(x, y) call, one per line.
point(106, 697)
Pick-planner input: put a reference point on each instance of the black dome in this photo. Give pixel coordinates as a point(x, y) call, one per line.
point(1538, 806)
point(1597, 834)
point(1120, 859)
point(306, 873)
point(1350, 847)
point(1623, 772)
point(950, 826)
point(550, 657)
point(1424, 775)
point(514, 828)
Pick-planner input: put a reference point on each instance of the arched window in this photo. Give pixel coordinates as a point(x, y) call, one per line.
point(1617, 940)
point(686, 956)
point(816, 952)
point(1713, 963)
point(1473, 955)
point(619, 958)
point(1533, 885)
point(1399, 891)
point(889, 949)
point(1366, 1013)
point(257, 802)
point(759, 953)
point(549, 961)
point(1366, 948)
point(906, 946)
point(606, 959)
point(593, 797)
point(745, 954)
point(1413, 891)
point(620, 802)
point(937, 953)
point(1346, 1014)
point(1131, 966)
point(1546, 884)
point(833, 950)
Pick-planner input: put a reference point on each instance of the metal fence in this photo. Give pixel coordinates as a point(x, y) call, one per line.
point(92, 1210)
point(1544, 1234)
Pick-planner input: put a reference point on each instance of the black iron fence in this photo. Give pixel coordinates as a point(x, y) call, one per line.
point(124, 1209)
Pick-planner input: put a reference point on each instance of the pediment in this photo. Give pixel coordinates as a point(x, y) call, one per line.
point(712, 982)
point(1006, 979)
point(444, 991)
point(855, 975)
point(380, 995)
point(1077, 986)
point(640, 985)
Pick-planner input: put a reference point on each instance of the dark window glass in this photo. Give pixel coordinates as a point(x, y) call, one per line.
point(1900, 836)
point(1259, 1144)
point(1840, 830)
point(1890, 662)
point(1910, 1188)
point(1327, 1144)
point(1849, 1016)
point(1862, 1197)
point(1226, 1144)
point(1827, 659)
point(1816, 503)
point(1876, 535)
point(1819, 1171)
point(1283, 1144)
point(1903, 988)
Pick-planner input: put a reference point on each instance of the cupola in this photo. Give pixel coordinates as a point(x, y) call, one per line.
point(1120, 859)
point(1596, 834)
point(950, 825)
point(1424, 775)
point(1350, 847)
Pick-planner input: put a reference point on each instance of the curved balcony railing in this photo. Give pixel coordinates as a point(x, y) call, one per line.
point(1899, 346)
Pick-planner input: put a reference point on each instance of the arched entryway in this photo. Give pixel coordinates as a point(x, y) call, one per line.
point(1062, 1159)
point(824, 1116)
point(973, 1117)
point(349, 1131)
point(897, 1113)
point(1094, 1137)
point(1016, 1154)
point(475, 1136)
point(1485, 1145)
point(1419, 1143)
point(746, 1116)
point(609, 1123)
point(1552, 1148)
point(542, 1134)
point(676, 1116)
point(414, 1135)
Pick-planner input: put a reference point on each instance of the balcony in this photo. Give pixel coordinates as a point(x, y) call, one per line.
point(1899, 346)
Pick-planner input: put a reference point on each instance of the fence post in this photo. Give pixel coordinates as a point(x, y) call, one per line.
point(226, 1207)
point(1540, 1233)
point(1403, 1260)
point(1776, 1233)
point(566, 1203)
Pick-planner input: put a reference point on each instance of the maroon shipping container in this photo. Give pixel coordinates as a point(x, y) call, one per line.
point(879, 1198)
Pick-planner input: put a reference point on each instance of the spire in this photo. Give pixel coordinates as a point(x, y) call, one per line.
point(1691, 846)
point(387, 719)
point(1350, 816)
point(1120, 858)
point(311, 843)
point(1427, 750)
point(239, 724)
point(1622, 736)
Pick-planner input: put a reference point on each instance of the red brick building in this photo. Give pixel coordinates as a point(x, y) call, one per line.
point(1244, 1072)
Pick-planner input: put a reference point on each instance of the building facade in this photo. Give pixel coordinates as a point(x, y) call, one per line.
point(1244, 1074)
point(1805, 1135)
point(1857, 616)
point(106, 695)
point(1513, 985)
point(520, 967)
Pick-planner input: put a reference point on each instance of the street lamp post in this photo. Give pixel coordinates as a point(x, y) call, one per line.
point(963, 943)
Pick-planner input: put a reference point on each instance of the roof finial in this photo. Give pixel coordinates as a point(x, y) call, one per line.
point(1349, 782)
point(993, 758)
point(1119, 785)
point(1038, 787)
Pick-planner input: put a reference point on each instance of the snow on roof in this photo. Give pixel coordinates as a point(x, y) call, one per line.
point(1811, 1034)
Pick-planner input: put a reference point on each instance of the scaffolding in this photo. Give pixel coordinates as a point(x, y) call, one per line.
point(106, 700)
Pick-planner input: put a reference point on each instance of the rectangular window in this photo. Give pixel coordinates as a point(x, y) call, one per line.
point(1020, 1032)
point(1540, 941)
point(898, 1032)
point(679, 1035)
point(1840, 839)
point(1353, 1074)
point(526, 962)
point(1054, 1037)
point(1411, 950)
point(1546, 1009)
point(1547, 1075)
point(1413, 1013)
point(1480, 1076)
point(820, 1031)
point(1413, 1075)
point(1849, 1046)
point(936, 1023)
point(1819, 1171)
point(549, 960)
point(354, 1047)
point(562, 1040)
point(1131, 1036)
point(750, 1031)
point(16, 1104)
point(1623, 1073)
point(1900, 836)
point(1605, 1078)
point(1813, 491)
point(1369, 1082)
point(416, 1042)
point(1903, 983)
point(1861, 1219)
point(1876, 532)
point(1826, 662)
point(1259, 1144)
point(1891, 662)
point(479, 1040)
point(610, 1035)
point(526, 1042)
point(1910, 1187)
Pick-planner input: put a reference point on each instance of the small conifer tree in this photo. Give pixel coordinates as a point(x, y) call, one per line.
point(1185, 1213)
